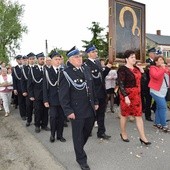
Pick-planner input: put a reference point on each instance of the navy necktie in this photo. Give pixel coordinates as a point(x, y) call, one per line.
point(97, 62)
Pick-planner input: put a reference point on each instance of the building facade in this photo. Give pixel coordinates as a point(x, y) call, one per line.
point(161, 42)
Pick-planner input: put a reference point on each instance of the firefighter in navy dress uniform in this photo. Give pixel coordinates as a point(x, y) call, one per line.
point(51, 97)
point(99, 75)
point(79, 102)
point(35, 88)
point(145, 90)
point(16, 75)
point(24, 79)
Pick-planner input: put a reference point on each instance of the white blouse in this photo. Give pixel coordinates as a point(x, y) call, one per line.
point(9, 80)
point(110, 79)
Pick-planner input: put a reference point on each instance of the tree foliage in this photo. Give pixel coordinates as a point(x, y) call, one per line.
point(11, 28)
point(100, 41)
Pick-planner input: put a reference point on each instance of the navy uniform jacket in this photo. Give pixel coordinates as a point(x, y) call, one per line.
point(145, 80)
point(51, 86)
point(16, 76)
point(74, 99)
point(148, 60)
point(99, 77)
point(47, 67)
point(24, 78)
point(35, 83)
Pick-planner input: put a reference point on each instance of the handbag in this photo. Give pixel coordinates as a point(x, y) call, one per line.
point(167, 97)
point(116, 96)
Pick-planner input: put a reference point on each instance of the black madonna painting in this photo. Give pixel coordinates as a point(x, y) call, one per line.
point(128, 21)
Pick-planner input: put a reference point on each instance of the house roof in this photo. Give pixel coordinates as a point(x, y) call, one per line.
point(159, 39)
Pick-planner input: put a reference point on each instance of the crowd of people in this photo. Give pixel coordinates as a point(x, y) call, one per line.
point(80, 91)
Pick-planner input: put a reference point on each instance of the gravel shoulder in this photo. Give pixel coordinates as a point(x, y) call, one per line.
point(20, 150)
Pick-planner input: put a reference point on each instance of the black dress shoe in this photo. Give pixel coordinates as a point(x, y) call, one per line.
point(37, 130)
point(45, 128)
point(52, 139)
point(61, 139)
point(84, 166)
point(28, 124)
point(104, 136)
point(149, 119)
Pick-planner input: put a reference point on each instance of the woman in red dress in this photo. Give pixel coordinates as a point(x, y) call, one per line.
point(129, 78)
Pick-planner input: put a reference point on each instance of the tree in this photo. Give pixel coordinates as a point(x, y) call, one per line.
point(100, 41)
point(11, 28)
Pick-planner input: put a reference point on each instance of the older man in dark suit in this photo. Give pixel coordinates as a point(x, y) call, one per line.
point(78, 100)
point(145, 90)
point(152, 54)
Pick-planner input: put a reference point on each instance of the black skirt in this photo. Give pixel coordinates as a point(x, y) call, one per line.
point(110, 91)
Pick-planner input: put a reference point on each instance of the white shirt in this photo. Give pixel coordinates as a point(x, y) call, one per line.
point(110, 79)
point(20, 66)
point(93, 60)
point(55, 68)
point(31, 65)
point(9, 80)
point(40, 67)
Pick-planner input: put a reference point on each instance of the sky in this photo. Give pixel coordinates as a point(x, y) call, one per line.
point(64, 23)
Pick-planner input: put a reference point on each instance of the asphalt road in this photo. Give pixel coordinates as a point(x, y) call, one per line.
point(113, 154)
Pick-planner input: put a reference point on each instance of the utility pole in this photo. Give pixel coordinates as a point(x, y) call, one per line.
point(46, 47)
